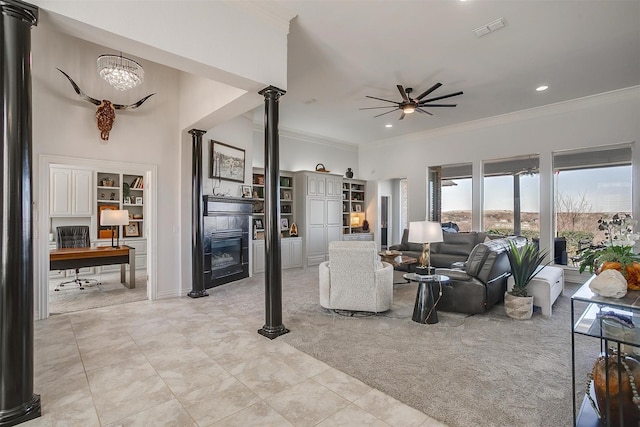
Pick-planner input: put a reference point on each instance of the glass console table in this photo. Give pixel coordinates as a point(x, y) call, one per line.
point(610, 336)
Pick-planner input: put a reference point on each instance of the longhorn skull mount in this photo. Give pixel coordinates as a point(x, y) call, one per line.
point(106, 111)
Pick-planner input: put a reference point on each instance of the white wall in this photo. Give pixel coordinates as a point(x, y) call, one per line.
point(221, 41)
point(304, 152)
point(65, 125)
point(599, 120)
point(208, 46)
point(238, 133)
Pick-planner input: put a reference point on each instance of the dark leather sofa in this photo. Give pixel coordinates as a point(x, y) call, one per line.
point(455, 247)
point(479, 283)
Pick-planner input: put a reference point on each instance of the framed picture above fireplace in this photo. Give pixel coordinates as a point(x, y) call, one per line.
point(226, 162)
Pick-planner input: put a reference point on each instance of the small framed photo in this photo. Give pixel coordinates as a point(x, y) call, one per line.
point(131, 230)
point(127, 200)
point(358, 208)
point(284, 223)
point(286, 195)
point(246, 191)
point(257, 223)
point(138, 200)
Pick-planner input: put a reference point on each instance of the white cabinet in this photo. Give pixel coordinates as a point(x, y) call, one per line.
point(290, 253)
point(319, 207)
point(70, 191)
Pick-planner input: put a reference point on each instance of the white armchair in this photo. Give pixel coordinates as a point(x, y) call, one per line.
point(354, 279)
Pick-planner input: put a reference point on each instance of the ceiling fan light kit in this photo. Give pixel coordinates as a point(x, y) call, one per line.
point(409, 105)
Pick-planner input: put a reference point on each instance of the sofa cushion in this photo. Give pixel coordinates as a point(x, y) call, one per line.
point(477, 258)
point(457, 243)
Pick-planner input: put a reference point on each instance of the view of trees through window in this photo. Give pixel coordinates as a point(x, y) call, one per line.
point(588, 185)
point(512, 197)
point(583, 196)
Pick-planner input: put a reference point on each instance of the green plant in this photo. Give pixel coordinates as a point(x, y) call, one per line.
point(524, 261)
point(126, 190)
point(618, 246)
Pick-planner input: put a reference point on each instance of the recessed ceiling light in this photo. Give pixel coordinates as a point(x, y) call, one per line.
point(388, 125)
point(541, 88)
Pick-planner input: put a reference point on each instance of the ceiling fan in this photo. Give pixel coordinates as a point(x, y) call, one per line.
point(408, 105)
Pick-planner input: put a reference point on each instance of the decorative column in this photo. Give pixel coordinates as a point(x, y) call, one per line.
point(273, 327)
point(197, 221)
point(18, 403)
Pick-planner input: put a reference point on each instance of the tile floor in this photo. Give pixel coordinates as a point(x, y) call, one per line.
point(185, 362)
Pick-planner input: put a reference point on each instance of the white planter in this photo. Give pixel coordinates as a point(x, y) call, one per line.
point(520, 308)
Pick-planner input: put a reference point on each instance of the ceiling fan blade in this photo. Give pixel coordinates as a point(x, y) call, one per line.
point(373, 108)
point(380, 99)
point(386, 112)
point(428, 91)
point(403, 93)
point(437, 105)
point(423, 111)
point(402, 116)
point(441, 97)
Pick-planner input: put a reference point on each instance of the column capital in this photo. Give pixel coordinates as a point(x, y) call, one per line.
point(272, 92)
point(197, 132)
point(20, 10)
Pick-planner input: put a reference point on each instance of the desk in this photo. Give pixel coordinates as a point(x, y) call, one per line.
point(72, 258)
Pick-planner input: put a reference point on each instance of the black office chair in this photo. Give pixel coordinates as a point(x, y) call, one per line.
point(74, 236)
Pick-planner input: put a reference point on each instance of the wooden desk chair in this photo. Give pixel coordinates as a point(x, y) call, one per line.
point(74, 236)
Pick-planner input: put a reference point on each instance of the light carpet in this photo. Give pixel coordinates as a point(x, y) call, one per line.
point(110, 292)
point(481, 370)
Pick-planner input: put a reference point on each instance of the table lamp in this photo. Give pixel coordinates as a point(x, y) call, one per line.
point(425, 232)
point(112, 217)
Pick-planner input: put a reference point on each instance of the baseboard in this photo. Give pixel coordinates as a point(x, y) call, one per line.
point(168, 294)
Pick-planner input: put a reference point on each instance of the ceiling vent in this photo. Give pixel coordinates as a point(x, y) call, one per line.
point(490, 27)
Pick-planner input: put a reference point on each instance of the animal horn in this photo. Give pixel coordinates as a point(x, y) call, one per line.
point(132, 106)
point(79, 91)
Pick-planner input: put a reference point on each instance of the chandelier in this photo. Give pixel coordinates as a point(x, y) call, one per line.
point(120, 72)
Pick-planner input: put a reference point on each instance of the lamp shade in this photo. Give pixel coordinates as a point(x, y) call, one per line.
point(114, 217)
point(425, 232)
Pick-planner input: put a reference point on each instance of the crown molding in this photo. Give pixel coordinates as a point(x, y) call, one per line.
point(308, 137)
point(604, 98)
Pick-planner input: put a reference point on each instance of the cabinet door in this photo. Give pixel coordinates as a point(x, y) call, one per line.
point(322, 190)
point(334, 233)
point(315, 212)
point(334, 212)
point(258, 256)
point(285, 253)
point(296, 253)
point(312, 185)
point(316, 240)
point(334, 187)
point(59, 191)
point(81, 192)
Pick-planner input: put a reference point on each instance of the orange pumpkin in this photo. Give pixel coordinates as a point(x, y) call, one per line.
point(632, 273)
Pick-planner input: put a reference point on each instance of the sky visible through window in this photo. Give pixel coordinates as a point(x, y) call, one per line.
point(605, 189)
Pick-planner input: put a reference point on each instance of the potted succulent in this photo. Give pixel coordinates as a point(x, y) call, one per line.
point(524, 261)
point(616, 251)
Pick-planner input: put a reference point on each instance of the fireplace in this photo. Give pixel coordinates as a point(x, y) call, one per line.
point(225, 240)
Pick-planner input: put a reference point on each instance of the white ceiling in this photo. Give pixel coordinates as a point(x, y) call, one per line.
point(341, 51)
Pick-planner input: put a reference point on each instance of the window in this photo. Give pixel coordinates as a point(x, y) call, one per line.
point(512, 197)
point(451, 194)
point(589, 185)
